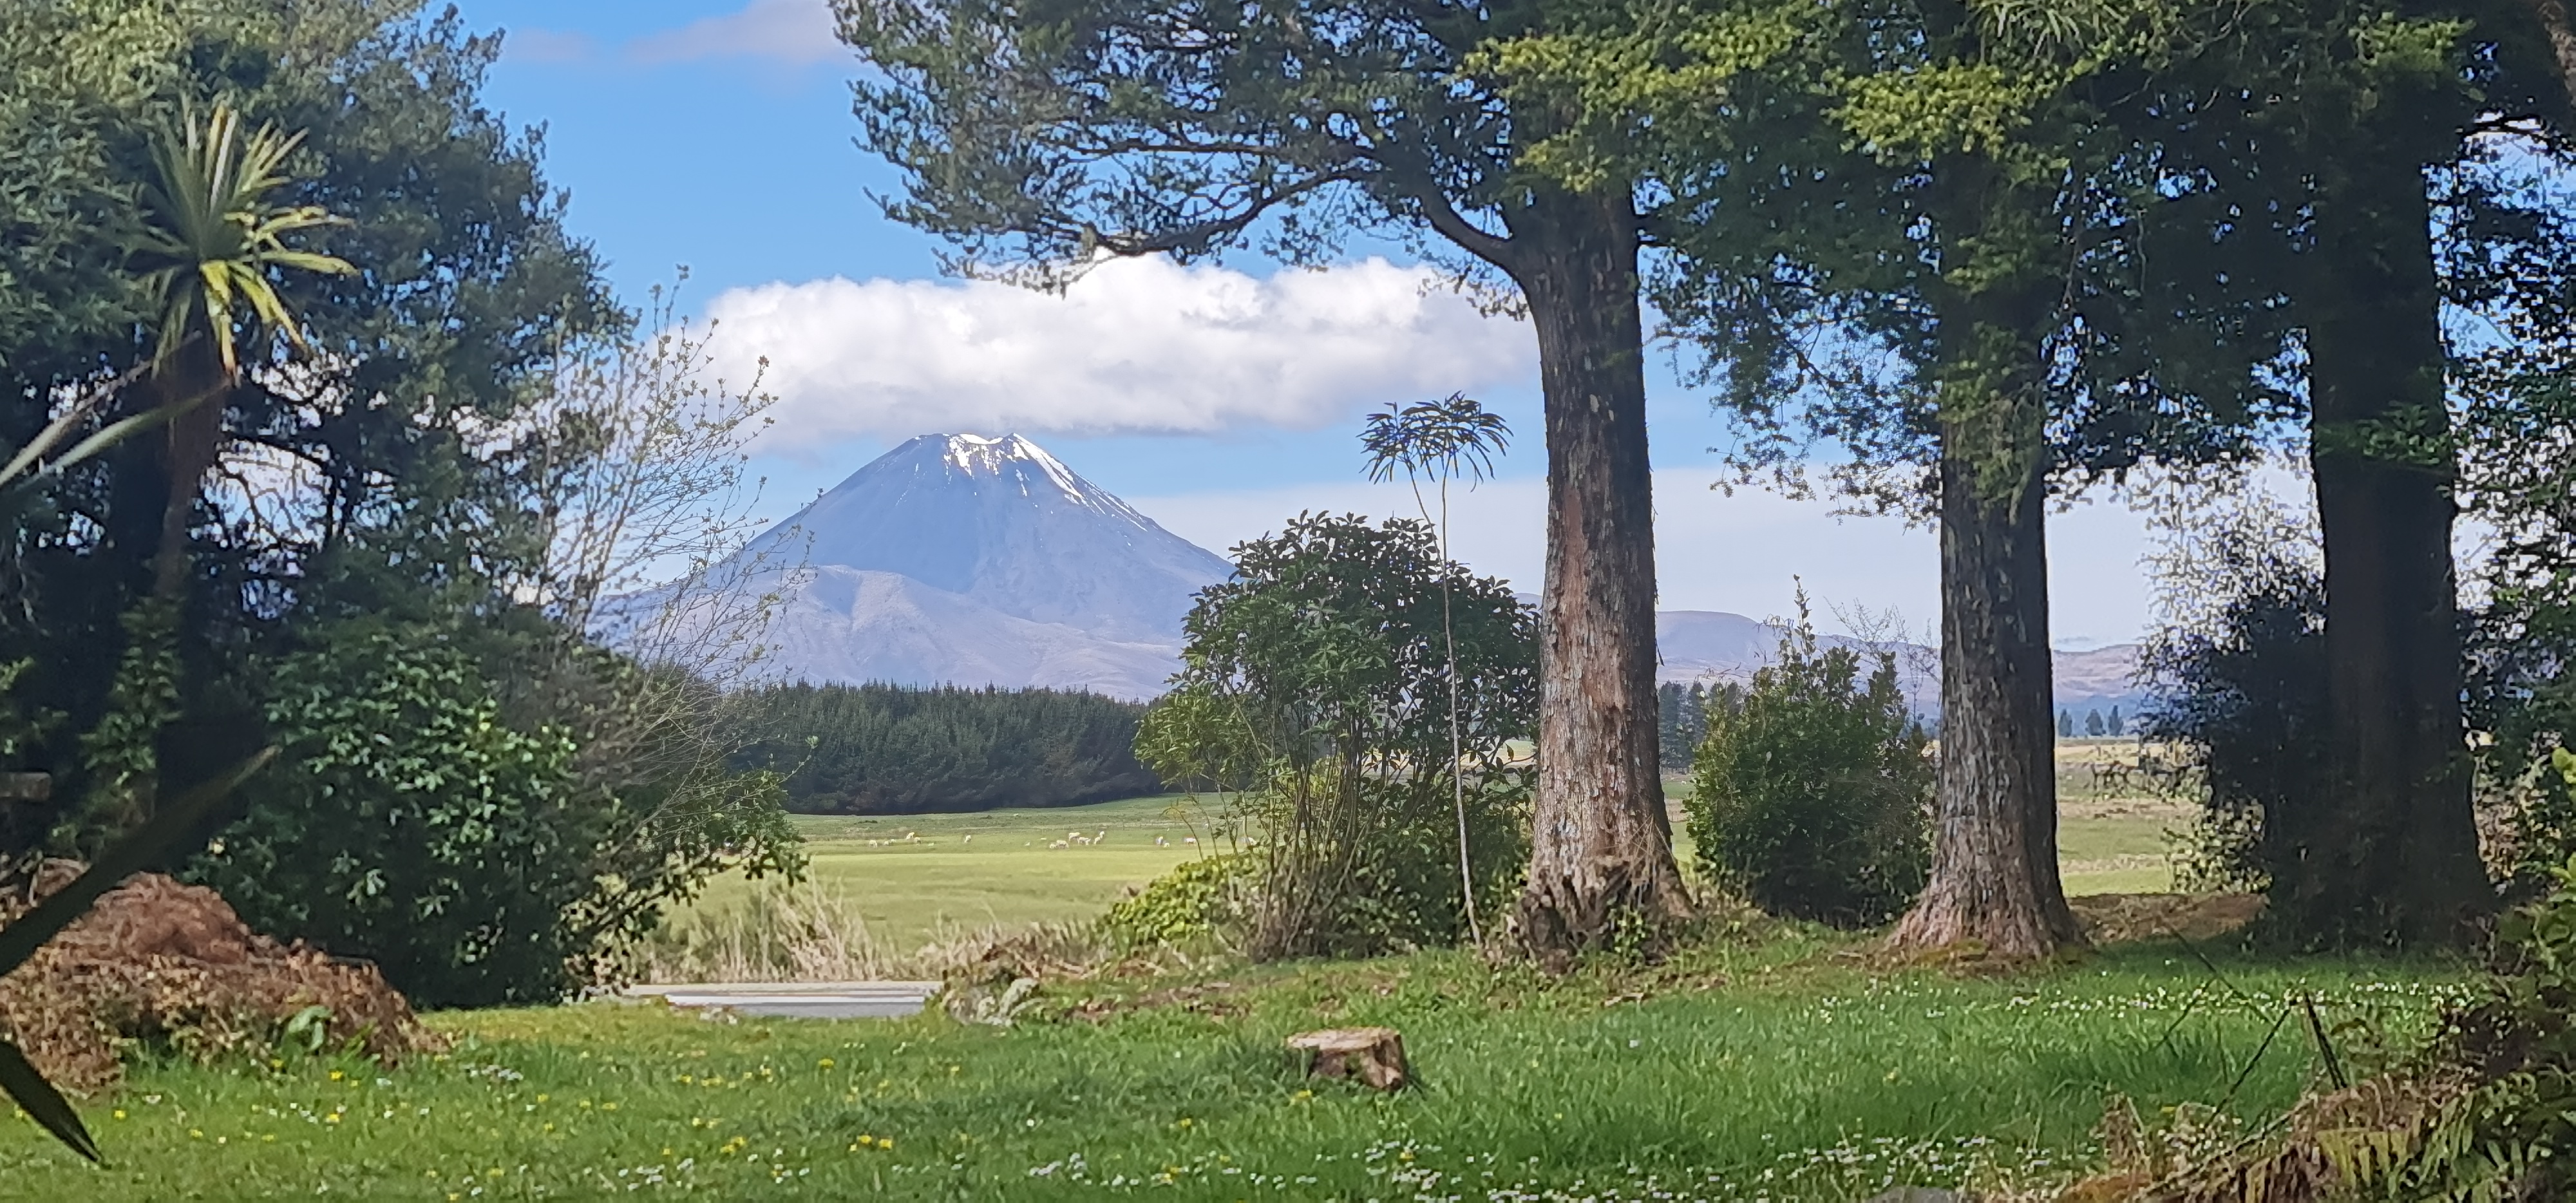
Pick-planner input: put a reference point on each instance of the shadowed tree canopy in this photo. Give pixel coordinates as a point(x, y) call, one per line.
point(1039, 137)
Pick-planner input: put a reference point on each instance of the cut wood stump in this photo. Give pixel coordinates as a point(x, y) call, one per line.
point(1372, 1055)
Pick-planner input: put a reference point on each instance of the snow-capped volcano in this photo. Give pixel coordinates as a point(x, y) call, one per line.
point(981, 561)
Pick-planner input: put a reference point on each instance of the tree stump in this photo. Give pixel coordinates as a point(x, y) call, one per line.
point(1373, 1055)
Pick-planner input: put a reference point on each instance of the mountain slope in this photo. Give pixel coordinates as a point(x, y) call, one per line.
point(960, 559)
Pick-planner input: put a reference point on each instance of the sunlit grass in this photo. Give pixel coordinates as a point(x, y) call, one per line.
point(916, 879)
point(1764, 1071)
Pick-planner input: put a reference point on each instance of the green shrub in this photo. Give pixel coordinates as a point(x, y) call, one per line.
point(1316, 689)
point(1198, 900)
point(409, 822)
point(1812, 798)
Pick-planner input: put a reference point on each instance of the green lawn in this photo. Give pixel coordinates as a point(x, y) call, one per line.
point(1745, 1072)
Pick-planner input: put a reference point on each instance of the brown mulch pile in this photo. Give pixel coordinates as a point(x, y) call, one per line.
point(163, 965)
point(2122, 918)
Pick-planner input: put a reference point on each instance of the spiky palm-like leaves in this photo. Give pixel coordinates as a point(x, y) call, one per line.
point(208, 254)
point(212, 240)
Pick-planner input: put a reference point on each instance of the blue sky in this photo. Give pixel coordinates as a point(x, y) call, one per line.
point(716, 134)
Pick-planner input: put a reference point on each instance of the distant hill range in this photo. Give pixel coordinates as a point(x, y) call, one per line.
point(967, 560)
point(1709, 646)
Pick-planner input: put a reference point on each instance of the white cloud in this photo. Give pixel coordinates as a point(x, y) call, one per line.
point(546, 46)
point(1138, 346)
point(1742, 554)
point(795, 32)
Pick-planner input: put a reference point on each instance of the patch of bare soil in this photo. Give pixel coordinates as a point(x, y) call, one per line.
point(159, 964)
point(2125, 918)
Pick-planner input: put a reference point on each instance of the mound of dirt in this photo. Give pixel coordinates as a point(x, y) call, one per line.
point(2123, 918)
point(169, 966)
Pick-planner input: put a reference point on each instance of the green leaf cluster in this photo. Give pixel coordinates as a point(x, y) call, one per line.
point(1813, 797)
point(1315, 687)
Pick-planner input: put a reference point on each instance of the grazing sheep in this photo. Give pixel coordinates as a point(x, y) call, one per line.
point(1189, 839)
point(1057, 844)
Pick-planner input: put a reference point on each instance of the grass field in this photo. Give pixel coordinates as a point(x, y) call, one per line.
point(1741, 1071)
point(920, 878)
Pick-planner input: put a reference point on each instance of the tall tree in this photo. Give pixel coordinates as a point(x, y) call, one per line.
point(1040, 137)
point(2380, 112)
point(1923, 231)
point(207, 255)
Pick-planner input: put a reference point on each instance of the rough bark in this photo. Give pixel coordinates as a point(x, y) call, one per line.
point(195, 377)
point(2552, 15)
point(1994, 851)
point(1600, 843)
point(2387, 852)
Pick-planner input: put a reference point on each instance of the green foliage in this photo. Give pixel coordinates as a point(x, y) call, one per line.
point(120, 755)
point(1202, 900)
point(391, 495)
point(1683, 713)
point(1316, 685)
point(892, 749)
point(2240, 693)
point(414, 826)
point(1813, 797)
point(408, 825)
point(214, 240)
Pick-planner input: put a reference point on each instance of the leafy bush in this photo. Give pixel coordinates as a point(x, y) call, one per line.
point(1813, 797)
point(407, 823)
point(1315, 686)
point(1198, 900)
point(2239, 672)
point(891, 749)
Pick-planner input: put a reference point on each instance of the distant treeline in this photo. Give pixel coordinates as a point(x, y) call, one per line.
point(1685, 717)
point(890, 749)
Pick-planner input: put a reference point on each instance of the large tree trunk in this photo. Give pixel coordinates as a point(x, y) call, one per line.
point(194, 376)
point(1600, 845)
point(2552, 15)
point(1994, 851)
point(2388, 850)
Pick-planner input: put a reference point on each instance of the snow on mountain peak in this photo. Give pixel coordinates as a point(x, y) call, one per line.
point(995, 520)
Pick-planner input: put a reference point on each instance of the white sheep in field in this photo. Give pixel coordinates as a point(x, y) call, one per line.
point(1160, 842)
point(1189, 839)
point(1104, 834)
point(967, 840)
point(1057, 844)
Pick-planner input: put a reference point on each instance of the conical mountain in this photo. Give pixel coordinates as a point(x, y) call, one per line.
point(967, 560)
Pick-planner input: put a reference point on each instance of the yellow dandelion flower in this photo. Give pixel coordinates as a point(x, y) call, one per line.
point(120, 1113)
point(825, 1063)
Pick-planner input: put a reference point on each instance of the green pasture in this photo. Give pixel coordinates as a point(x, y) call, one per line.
point(1742, 1070)
point(920, 878)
